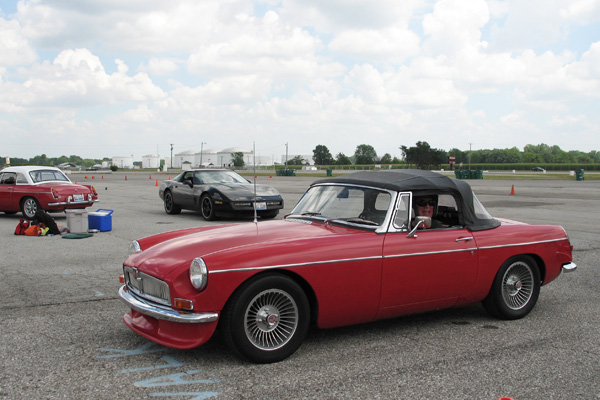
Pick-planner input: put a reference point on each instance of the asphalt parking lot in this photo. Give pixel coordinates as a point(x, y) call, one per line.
point(62, 336)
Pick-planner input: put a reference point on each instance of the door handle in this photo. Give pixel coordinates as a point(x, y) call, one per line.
point(464, 239)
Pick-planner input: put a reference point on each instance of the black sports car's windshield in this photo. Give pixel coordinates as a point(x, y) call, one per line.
point(357, 205)
point(208, 177)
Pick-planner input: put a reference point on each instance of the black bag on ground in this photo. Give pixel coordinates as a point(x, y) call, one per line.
point(45, 218)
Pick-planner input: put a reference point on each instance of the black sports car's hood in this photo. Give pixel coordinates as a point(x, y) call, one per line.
point(245, 191)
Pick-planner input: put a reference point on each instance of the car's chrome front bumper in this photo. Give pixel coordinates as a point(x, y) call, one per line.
point(569, 267)
point(166, 313)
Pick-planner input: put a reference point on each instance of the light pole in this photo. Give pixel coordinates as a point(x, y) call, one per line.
point(286, 156)
point(201, 150)
point(171, 156)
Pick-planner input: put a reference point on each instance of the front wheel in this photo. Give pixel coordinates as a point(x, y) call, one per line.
point(170, 206)
point(267, 319)
point(515, 290)
point(207, 207)
point(30, 207)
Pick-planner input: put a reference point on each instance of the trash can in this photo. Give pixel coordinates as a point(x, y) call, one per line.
point(329, 172)
point(579, 175)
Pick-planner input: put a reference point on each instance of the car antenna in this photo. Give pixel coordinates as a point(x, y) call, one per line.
point(254, 153)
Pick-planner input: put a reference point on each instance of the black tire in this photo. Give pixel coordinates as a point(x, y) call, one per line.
point(170, 206)
point(515, 290)
point(268, 214)
point(267, 319)
point(207, 207)
point(30, 207)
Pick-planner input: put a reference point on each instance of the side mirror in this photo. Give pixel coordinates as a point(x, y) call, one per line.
point(189, 182)
point(422, 222)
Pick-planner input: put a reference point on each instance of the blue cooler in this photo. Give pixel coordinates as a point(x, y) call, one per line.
point(100, 219)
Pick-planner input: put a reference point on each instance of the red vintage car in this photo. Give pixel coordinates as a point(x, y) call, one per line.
point(353, 250)
point(30, 188)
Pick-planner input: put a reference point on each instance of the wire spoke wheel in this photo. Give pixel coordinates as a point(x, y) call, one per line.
point(271, 319)
point(515, 289)
point(517, 285)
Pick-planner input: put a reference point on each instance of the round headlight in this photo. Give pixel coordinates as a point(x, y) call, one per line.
point(198, 274)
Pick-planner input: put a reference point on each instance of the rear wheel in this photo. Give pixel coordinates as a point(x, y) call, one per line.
point(207, 207)
point(515, 290)
point(267, 319)
point(170, 206)
point(30, 207)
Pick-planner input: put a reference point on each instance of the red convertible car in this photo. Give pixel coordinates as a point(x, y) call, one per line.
point(30, 188)
point(353, 250)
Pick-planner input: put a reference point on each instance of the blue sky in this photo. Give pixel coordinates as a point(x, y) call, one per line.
point(112, 78)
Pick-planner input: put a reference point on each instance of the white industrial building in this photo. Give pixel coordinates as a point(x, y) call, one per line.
point(151, 161)
point(125, 162)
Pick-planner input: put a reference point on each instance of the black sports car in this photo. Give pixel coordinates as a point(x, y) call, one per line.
point(214, 192)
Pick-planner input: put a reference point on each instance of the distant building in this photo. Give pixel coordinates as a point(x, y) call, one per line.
point(307, 158)
point(123, 162)
point(151, 161)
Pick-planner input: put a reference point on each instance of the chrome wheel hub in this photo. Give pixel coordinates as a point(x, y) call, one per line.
point(271, 319)
point(517, 285)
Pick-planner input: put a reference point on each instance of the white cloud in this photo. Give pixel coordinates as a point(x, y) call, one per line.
point(14, 48)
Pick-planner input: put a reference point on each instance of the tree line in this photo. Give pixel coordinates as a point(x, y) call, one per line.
point(423, 156)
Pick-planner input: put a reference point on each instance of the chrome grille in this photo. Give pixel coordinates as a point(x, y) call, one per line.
point(147, 286)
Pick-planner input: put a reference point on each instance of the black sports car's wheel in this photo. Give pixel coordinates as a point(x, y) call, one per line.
point(207, 207)
point(267, 319)
point(268, 214)
point(29, 207)
point(515, 290)
point(170, 206)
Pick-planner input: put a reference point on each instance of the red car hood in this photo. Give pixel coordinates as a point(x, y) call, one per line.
point(240, 243)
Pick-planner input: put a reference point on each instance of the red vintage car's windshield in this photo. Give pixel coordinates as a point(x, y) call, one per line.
point(353, 204)
point(47, 175)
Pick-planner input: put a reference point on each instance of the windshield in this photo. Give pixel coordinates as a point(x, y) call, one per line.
point(480, 211)
point(357, 205)
point(206, 177)
point(46, 175)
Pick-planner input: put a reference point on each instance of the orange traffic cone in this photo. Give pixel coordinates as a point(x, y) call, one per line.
point(125, 177)
point(102, 176)
point(512, 190)
point(156, 184)
point(150, 177)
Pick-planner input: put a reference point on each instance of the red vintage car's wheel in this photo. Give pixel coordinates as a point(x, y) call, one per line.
point(170, 206)
point(267, 319)
point(515, 290)
point(29, 207)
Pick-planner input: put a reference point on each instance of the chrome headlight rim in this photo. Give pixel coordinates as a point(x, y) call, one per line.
point(198, 274)
point(134, 247)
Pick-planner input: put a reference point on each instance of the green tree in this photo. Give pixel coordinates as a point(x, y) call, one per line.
point(365, 154)
point(237, 159)
point(322, 156)
point(342, 159)
point(297, 160)
point(423, 156)
point(386, 159)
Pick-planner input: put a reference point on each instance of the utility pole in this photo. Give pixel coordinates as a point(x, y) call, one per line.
point(286, 156)
point(201, 150)
point(171, 156)
point(470, 144)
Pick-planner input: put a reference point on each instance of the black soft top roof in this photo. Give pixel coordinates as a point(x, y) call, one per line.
point(421, 183)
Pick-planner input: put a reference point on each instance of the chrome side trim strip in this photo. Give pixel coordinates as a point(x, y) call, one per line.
point(428, 253)
point(294, 265)
point(66, 203)
point(165, 313)
point(522, 244)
